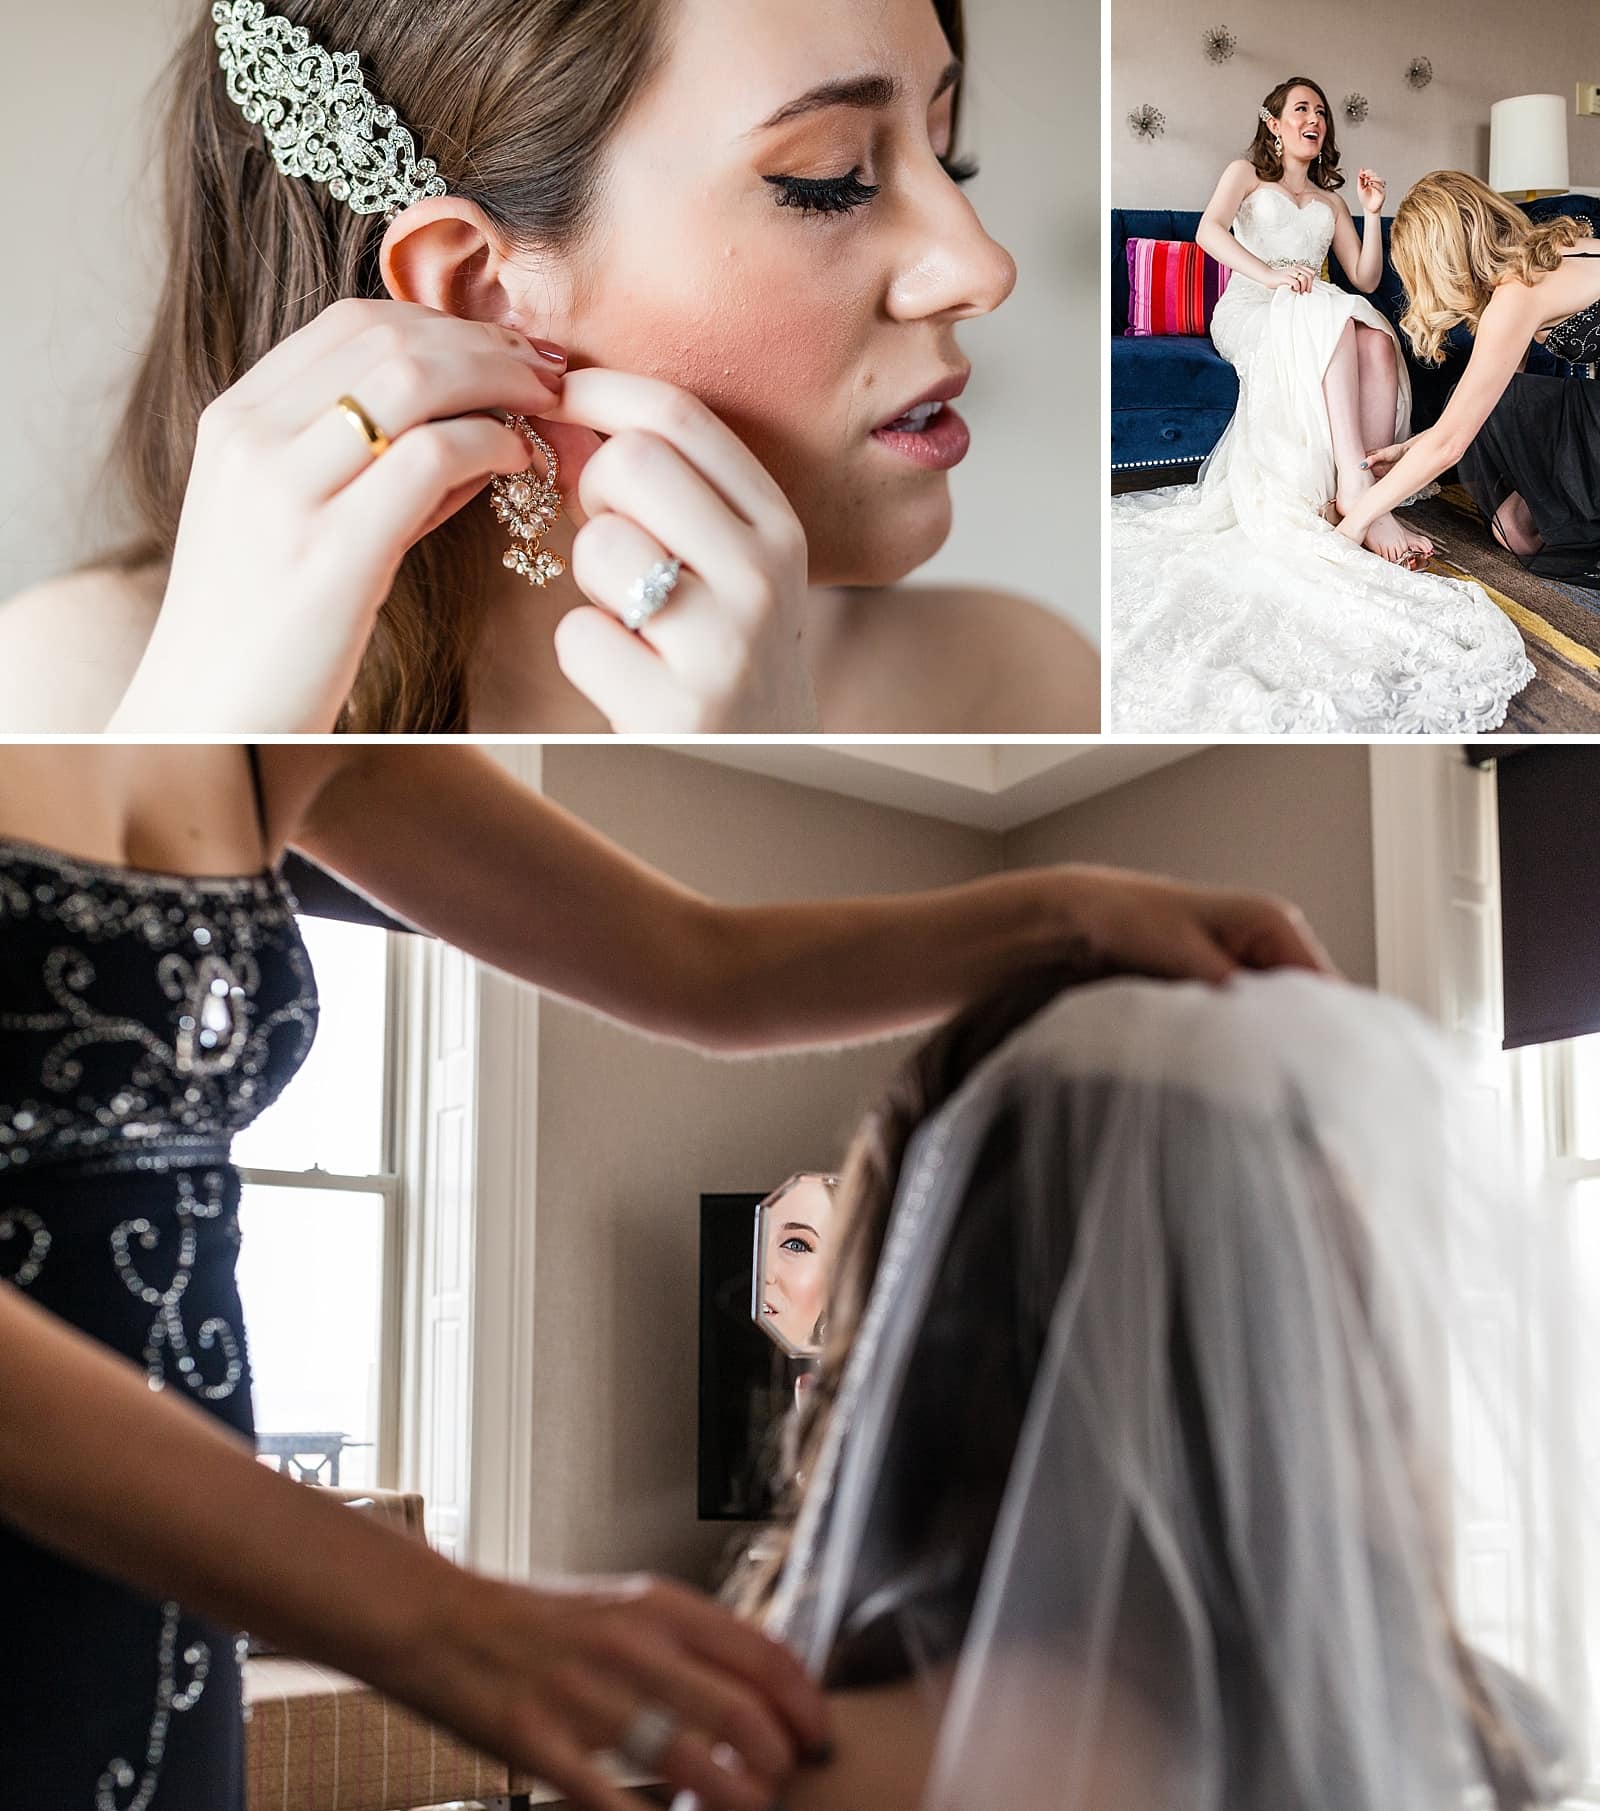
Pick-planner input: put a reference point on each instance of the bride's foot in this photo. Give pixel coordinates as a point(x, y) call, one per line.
point(1389, 541)
point(1419, 549)
point(1331, 513)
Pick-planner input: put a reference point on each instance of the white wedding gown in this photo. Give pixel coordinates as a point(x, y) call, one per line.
point(1235, 607)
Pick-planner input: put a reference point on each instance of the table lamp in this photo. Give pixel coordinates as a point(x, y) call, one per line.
point(1528, 145)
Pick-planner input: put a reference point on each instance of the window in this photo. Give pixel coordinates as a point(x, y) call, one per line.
point(1555, 1092)
point(320, 1224)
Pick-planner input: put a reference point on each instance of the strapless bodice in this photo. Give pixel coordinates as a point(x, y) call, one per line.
point(1269, 225)
point(144, 1018)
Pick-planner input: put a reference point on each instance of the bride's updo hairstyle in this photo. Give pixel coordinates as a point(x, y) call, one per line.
point(1454, 242)
point(516, 102)
point(960, 1476)
point(1264, 154)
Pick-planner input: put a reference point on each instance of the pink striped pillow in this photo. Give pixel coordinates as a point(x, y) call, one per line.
point(1172, 287)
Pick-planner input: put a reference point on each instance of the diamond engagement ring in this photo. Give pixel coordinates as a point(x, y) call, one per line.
point(651, 594)
point(648, 1737)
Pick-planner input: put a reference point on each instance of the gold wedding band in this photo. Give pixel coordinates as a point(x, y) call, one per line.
point(372, 436)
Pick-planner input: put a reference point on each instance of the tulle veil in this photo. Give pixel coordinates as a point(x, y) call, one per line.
point(1247, 1234)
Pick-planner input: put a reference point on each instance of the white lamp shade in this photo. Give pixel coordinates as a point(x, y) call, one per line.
point(1528, 144)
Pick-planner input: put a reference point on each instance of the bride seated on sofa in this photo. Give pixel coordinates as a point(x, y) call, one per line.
point(1118, 1482)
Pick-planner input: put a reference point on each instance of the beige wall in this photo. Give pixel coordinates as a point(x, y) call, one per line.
point(82, 227)
point(1481, 50)
point(632, 1132)
point(1292, 820)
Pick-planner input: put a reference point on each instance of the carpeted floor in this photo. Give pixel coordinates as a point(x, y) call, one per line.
point(1560, 624)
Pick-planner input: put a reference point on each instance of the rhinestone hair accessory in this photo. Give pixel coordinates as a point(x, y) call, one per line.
point(1266, 118)
point(320, 119)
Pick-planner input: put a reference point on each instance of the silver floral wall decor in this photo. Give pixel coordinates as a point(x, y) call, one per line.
point(1147, 122)
point(1419, 72)
point(1356, 109)
point(1219, 42)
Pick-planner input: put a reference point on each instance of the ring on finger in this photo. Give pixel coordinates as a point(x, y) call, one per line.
point(648, 1737)
point(373, 437)
point(650, 595)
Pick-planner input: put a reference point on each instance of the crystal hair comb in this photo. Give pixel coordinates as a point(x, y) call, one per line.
point(320, 119)
point(1266, 118)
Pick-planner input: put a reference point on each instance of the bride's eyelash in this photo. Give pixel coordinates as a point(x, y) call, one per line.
point(844, 194)
point(823, 194)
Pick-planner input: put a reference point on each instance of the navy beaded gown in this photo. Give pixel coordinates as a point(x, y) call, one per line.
point(144, 1020)
point(1542, 442)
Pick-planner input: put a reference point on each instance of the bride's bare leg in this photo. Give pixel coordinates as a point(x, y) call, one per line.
point(1341, 385)
point(1379, 371)
point(1379, 363)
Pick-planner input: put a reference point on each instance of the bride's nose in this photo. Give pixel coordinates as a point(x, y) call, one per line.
point(951, 267)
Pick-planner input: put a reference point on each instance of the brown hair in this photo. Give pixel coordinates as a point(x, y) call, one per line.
point(928, 1079)
point(1455, 241)
point(1268, 160)
point(516, 101)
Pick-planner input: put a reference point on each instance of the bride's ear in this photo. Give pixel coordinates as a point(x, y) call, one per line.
point(446, 254)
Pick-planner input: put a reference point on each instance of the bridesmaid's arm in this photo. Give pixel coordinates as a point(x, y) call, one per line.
point(154, 1492)
point(450, 841)
point(1498, 353)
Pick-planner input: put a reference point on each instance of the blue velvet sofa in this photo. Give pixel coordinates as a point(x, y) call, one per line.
point(1172, 397)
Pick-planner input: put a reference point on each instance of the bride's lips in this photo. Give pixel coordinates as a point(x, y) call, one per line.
point(927, 431)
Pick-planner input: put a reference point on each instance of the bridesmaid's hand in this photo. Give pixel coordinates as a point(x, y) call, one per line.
point(673, 481)
point(1383, 461)
point(1143, 924)
point(549, 1677)
point(1374, 191)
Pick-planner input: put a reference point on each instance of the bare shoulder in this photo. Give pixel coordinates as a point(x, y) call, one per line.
point(965, 660)
point(1240, 177)
point(69, 647)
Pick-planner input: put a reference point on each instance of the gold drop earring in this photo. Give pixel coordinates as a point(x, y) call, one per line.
point(530, 507)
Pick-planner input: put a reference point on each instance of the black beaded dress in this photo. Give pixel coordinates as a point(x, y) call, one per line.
point(144, 1020)
point(1542, 442)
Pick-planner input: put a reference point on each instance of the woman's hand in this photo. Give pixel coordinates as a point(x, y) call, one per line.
point(292, 532)
point(548, 1677)
point(1146, 925)
point(1374, 191)
point(1383, 461)
point(672, 481)
point(1298, 277)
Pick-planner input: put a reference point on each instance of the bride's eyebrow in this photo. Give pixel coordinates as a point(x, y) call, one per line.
point(874, 92)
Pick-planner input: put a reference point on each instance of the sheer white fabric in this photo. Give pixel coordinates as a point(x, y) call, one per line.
point(1234, 606)
point(1214, 1580)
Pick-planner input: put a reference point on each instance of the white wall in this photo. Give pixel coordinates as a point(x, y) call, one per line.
point(1481, 51)
point(83, 246)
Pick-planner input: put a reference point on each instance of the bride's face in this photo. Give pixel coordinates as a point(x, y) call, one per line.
point(778, 234)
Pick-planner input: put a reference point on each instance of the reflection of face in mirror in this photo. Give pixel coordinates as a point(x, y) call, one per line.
point(795, 1244)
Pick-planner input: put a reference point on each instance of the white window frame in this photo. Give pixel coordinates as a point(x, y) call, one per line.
point(389, 1184)
point(1437, 915)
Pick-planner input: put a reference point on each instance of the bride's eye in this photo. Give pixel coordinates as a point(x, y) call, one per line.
point(959, 169)
point(823, 194)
